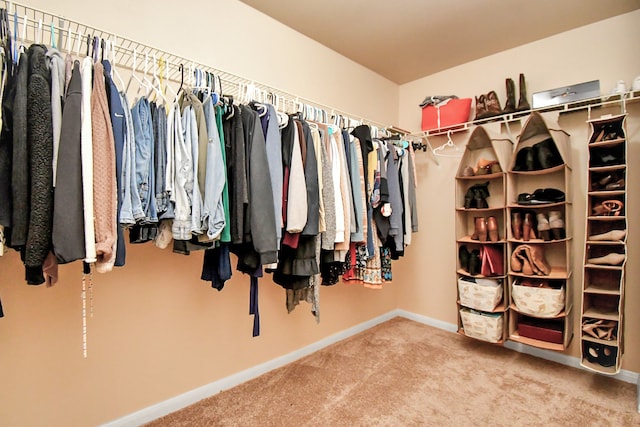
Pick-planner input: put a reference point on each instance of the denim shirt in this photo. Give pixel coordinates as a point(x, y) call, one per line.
point(215, 176)
point(131, 209)
point(144, 164)
point(182, 183)
point(190, 135)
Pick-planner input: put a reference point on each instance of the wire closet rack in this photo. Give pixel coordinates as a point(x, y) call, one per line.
point(31, 25)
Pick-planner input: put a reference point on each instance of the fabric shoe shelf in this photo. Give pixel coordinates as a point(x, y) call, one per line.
point(605, 247)
point(482, 297)
point(539, 226)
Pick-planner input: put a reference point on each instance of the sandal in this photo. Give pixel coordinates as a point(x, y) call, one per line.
point(601, 329)
point(608, 208)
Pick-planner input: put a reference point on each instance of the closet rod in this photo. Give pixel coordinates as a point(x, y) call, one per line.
point(37, 26)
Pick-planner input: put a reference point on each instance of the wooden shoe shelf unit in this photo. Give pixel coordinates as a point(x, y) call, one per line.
point(602, 344)
point(476, 319)
point(552, 331)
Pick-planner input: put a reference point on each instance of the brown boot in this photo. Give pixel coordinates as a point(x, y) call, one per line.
point(493, 104)
point(481, 108)
point(480, 232)
point(492, 229)
point(523, 104)
point(510, 106)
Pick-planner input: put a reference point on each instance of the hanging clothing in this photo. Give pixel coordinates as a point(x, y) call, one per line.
point(297, 204)
point(131, 209)
point(236, 172)
point(68, 217)
point(56, 64)
point(20, 176)
point(312, 225)
point(6, 136)
point(260, 207)
point(225, 236)
point(105, 192)
point(213, 215)
point(144, 159)
point(40, 146)
point(87, 161)
point(274, 158)
point(395, 220)
point(183, 183)
point(118, 126)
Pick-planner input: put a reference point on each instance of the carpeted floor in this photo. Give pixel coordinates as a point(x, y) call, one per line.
point(403, 373)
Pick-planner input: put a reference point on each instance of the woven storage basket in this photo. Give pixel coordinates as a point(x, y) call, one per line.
point(480, 296)
point(482, 326)
point(538, 302)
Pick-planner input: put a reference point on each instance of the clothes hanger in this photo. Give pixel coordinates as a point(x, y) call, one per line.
point(38, 38)
point(78, 43)
point(69, 37)
point(164, 66)
point(133, 72)
point(114, 71)
point(449, 149)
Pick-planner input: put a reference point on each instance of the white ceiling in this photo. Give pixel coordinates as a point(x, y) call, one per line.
point(404, 40)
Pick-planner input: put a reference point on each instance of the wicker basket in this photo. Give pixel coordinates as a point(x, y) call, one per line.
point(538, 302)
point(482, 326)
point(484, 295)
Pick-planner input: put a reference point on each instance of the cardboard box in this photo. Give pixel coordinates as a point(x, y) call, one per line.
point(567, 94)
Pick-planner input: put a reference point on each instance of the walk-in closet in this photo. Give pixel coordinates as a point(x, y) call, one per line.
point(282, 213)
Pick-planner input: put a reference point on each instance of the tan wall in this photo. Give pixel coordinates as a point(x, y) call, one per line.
point(158, 330)
point(600, 51)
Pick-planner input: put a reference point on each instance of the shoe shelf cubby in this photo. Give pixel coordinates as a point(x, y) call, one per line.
point(605, 254)
point(539, 237)
point(481, 238)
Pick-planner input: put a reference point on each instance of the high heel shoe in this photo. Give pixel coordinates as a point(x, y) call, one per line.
point(516, 225)
point(492, 229)
point(609, 259)
point(528, 227)
point(480, 231)
point(611, 235)
point(556, 223)
point(615, 185)
point(544, 230)
point(608, 208)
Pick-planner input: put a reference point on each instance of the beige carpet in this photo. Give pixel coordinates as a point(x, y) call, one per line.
point(403, 373)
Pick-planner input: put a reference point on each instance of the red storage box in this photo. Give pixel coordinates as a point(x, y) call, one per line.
point(449, 115)
point(548, 331)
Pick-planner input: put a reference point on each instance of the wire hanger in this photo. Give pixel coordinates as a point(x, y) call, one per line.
point(449, 149)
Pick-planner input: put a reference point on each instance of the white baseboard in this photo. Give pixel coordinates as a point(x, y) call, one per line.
point(564, 359)
point(175, 403)
point(161, 409)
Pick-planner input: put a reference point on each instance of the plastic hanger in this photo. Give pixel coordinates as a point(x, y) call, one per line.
point(69, 37)
point(114, 70)
point(449, 149)
point(167, 87)
point(133, 73)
